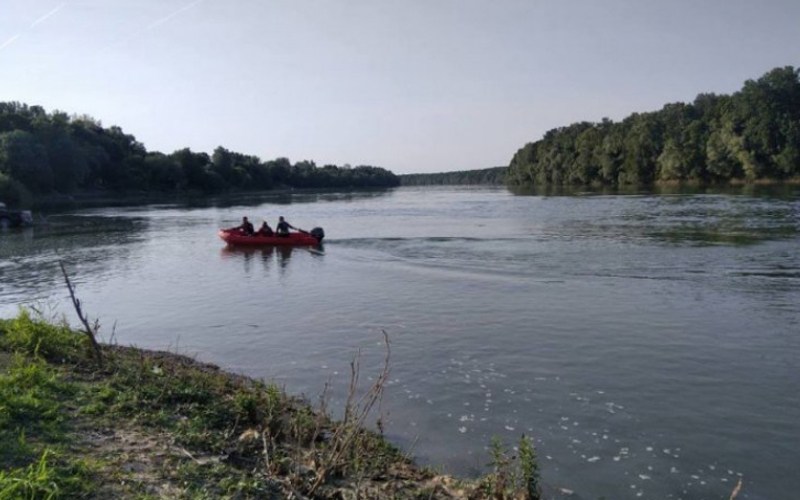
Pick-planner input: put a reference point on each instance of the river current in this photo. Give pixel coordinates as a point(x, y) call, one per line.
point(649, 343)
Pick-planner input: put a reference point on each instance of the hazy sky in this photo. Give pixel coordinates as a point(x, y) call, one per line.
point(411, 85)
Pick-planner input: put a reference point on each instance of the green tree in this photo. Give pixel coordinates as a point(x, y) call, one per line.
point(164, 173)
point(751, 134)
point(587, 161)
point(280, 170)
point(12, 192)
point(195, 167)
point(611, 155)
point(23, 158)
point(67, 161)
point(642, 148)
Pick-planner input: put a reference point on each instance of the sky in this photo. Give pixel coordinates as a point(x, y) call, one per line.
point(408, 85)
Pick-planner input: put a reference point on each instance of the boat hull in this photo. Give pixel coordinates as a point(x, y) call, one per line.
point(293, 239)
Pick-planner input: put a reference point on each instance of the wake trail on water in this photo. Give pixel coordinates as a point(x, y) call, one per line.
point(501, 260)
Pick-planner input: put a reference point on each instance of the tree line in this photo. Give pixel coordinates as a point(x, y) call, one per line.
point(43, 153)
point(493, 175)
point(751, 135)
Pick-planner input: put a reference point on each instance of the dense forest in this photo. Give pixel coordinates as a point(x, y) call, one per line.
point(44, 153)
point(751, 135)
point(494, 175)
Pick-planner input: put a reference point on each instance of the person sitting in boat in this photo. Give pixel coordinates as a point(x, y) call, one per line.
point(246, 227)
point(283, 227)
point(265, 230)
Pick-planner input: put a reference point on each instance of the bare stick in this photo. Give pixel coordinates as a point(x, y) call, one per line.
point(90, 332)
point(185, 452)
point(736, 490)
point(266, 449)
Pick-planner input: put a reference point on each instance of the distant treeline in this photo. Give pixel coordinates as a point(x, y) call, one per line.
point(43, 153)
point(751, 135)
point(494, 175)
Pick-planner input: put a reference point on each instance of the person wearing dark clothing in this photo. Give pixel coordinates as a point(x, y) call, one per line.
point(283, 227)
point(265, 230)
point(246, 227)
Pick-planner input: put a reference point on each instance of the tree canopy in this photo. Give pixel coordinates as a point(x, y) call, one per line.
point(43, 153)
point(750, 135)
point(493, 175)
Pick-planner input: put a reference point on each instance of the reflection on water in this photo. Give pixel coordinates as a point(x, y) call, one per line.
point(265, 256)
point(775, 191)
point(649, 342)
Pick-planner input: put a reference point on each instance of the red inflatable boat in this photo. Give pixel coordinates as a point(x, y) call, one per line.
point(236, 237)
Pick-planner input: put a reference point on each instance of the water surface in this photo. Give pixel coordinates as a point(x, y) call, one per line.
point(649, 343)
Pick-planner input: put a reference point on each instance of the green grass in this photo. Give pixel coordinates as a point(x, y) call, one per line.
point(30, 406)
point(46, 478)
point(53, 342)
point(212, 434)
point(50, 389)
point(33, 426)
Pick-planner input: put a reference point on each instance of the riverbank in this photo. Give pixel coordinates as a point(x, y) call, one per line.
point(144, 424)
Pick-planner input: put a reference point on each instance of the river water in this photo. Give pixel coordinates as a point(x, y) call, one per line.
point(650, 343)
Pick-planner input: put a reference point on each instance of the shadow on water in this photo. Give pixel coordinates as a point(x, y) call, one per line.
point(23, 233)
point(738, 221)
point(282, 198)
point(97, 245)
point(80, 232)
point(198, 200)
point(722, 236)
point(678, 219)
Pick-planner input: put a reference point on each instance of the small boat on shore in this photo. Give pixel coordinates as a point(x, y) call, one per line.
point(236, 237)
point(14, 218)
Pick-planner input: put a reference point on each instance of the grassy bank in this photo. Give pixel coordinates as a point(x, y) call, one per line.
point(142, 424)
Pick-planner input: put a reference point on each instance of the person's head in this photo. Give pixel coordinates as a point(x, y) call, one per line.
point(264, 224)
point(244, 219)
point(280, 218)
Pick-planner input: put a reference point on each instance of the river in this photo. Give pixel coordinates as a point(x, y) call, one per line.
point(650, 343)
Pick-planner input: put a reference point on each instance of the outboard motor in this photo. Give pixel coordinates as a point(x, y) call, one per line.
point(318, 233)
